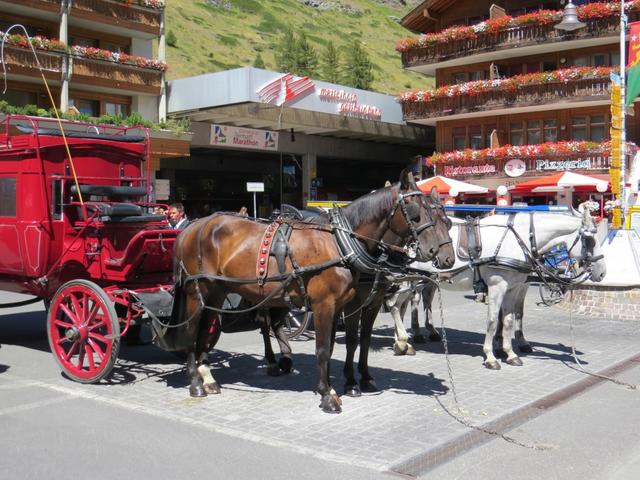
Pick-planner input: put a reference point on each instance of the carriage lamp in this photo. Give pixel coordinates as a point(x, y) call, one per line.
point(451, 200)
point(501, 196)
point(570, 20)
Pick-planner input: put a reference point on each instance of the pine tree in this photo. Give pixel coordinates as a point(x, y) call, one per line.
point(286, 52)
point(330, 64)
point(259, 62)
point(306, 58)
point(358, 72)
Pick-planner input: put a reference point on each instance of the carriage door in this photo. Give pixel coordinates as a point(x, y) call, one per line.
point(10, 256)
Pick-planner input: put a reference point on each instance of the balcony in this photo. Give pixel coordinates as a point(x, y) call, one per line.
point(581, 92)
point(518, 41)
point(20, 61)
point(116, 76)
point(129, 16)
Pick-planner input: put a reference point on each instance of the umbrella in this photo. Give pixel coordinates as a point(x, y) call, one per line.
point(559, 182)
point(444, 185)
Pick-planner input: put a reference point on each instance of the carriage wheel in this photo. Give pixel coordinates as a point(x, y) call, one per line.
point(296, 322)
point(551, 293)
point(84, 332)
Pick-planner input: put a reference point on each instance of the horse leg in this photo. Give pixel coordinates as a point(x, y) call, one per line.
point(285, 364)
point(352, 322)
point(497, 292)
point(324, 319)
point(428, 293)
point(265, 327)
point(367, 383)
point(500, 353)
point(415, 316)
point(509, 307)
point(207, 333)
point(192, 310)
point(523, 345)
point(401, 337)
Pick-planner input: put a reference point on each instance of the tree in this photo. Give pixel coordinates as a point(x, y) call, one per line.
point(306, 58)
point(286, 52)
point(330, 64)
point(358, 71)
point(171, 39)
point(259, 62)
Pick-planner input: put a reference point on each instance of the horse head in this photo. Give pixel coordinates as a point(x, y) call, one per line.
point(421, 218)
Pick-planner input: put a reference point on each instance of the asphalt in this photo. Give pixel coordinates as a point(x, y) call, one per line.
point(143, 420)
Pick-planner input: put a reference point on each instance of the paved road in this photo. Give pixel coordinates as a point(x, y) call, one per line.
point(142, 421)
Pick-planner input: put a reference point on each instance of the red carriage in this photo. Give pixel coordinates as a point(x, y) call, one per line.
point(77, 230)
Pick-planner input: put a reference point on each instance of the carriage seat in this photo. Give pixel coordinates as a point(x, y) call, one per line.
point(121, 212)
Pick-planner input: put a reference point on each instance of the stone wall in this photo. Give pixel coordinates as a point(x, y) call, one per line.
point(604, 302)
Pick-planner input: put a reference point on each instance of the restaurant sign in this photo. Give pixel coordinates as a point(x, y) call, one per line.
point(559, 165)
point(453, 170)
point(229, 136)
point(348, 104)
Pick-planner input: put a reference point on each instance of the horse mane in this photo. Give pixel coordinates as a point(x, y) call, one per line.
point(368, 208)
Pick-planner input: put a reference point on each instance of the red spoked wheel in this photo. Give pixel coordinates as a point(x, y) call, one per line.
point(84, 331)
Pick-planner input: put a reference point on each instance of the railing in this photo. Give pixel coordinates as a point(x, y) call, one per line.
point(132, 15)
point(20, 60)
point(115, 75)
point(522, 36)
point(587, 89)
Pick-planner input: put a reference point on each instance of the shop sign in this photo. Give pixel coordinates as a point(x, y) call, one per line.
point(453, 171)
point(285, 88)
point(515, 167)
point(238, 137)
point(560, 165)
point(348, 104)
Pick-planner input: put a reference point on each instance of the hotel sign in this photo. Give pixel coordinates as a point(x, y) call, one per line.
point(348, 104)
point(229, 136)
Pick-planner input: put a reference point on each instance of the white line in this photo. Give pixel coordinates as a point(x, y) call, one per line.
point(30, 406)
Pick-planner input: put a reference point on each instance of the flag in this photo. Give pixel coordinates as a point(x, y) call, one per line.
point(633, 65)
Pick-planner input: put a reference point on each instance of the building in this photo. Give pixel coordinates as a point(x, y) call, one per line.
point(97, 56)
point(505, 76)
point(303, 139)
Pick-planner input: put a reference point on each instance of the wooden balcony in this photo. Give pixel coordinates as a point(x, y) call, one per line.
point(495, 45)
point(52, 6)
point(20, 61)
point(116, 76)
point(527, 97)
point(120, 14)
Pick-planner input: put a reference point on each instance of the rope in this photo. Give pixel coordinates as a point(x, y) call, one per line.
point(452, 414)
point(581, 368)
point(53, 103)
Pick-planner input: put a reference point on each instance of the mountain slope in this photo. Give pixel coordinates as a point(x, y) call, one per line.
point(214, 35)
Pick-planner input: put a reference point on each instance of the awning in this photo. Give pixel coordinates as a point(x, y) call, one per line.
point(445, 185)
point(560, 182)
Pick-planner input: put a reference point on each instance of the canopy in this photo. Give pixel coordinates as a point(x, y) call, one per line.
point(561, 181)
point(445, 185)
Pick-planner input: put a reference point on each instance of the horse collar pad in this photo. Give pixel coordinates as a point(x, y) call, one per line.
point(274, 242)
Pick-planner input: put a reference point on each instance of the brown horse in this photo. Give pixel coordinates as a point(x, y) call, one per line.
point(218, 255)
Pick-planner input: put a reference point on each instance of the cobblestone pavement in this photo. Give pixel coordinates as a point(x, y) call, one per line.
point(390, 430)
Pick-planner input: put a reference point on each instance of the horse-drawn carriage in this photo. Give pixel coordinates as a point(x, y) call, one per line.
point(77, 231)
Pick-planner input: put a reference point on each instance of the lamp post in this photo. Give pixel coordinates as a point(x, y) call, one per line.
point(570, 23)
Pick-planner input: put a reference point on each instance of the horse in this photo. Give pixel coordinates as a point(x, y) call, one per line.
point(321, 266)
point(510, 249)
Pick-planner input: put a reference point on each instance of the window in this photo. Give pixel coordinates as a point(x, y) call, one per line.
point(580, 62)
point(85, 42)
point(532, 67)
point(460, 77)
point(488, 130)
point(549, 66)
point(579, 128)
point(19, 98)
point(600, 60)
point(475, 137)
point(477, 75)
point(7, 197)
point(90, 107)
point(598, 128)
point(533, 132)
point(459, 138)
point(115, 47)
point(516, 136)
point(550, 133)
point(56, 199)
point(116, 109)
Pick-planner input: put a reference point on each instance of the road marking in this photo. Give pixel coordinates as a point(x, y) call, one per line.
point(33, 405)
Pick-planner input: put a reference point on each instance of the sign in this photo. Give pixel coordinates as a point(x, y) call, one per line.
point(348, 104)
point(255, 187)
point(162, 189)
point(238, 137)
point(515, 167)
point(560, 165)
point(285, 88)
point(453, 171)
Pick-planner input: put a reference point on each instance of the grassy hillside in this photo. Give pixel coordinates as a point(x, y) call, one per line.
point(214, 35)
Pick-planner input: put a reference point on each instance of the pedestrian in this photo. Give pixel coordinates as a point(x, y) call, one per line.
point(244, 212)
point(177, 217)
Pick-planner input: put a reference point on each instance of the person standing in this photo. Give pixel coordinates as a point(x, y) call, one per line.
point(177, 217)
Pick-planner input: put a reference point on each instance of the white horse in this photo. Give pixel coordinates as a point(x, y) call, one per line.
point(510, 251)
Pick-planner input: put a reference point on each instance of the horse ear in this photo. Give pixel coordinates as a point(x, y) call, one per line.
point(434, 194)
point(406, 180)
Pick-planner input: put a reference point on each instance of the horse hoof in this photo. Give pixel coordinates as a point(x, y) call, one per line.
point(212, 388)
point(273, 370)
point(368, 386)
point(501, 354)
point(352, 391)
point(492, 365)
point(525, 348)
point(419, 339)
point(197, 391)
point(399, 349)
point(410, 350)
point(331, 403)
point(515, 361)
point(285, 364)
point(435, 337)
